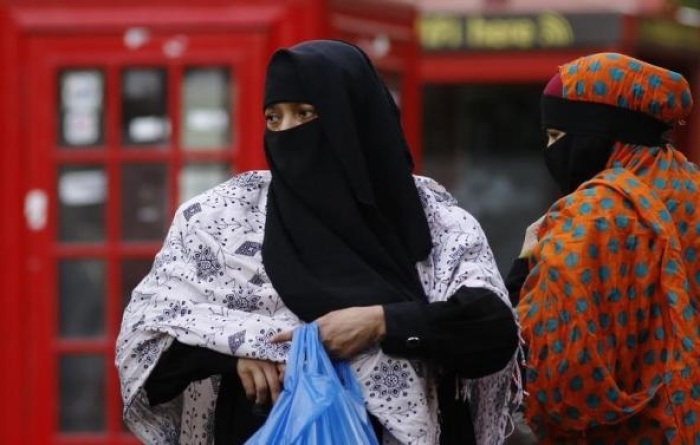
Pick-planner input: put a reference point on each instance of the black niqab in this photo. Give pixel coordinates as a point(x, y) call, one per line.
point(576, 158)
point(591, 131)
point(345, 226)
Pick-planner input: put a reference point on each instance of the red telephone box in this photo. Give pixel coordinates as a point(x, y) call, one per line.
point(112, 114)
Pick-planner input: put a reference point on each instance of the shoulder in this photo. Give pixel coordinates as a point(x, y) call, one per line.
point(429, 190)
point(597, 214)
point(611, 194)
point(242, 193)
point(596, 200)
point(442, 209)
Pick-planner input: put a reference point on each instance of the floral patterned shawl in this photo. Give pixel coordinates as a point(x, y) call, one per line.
point(208, 287)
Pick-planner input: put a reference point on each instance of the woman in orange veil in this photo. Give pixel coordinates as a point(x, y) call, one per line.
point(609, 307)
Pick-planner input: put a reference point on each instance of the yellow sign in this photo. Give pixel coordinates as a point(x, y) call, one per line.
point(545, 30)
point(554, 30)
point(445, 32)
point(670, 34)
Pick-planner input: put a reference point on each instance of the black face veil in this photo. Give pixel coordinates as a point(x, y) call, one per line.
point(591, 131)
point(345, 226)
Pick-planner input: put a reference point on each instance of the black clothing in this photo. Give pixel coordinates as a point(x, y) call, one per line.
point(453, 334)
point(282, 83)
point(575, 158)
point(519, 270)
point(591, 131)
point(320, 251)
point(236, 418)
point(182, 364)
point(345, 226)
point(516, 278)
point(472, 333)
point(591, 118)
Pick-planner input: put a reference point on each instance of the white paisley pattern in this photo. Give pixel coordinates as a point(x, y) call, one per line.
point(208, 288)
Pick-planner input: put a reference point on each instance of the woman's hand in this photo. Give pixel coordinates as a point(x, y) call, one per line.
point(531, 238)
point(346, 332)
point(261, 379)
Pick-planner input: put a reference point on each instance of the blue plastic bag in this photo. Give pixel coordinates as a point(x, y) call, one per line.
point(321, 403)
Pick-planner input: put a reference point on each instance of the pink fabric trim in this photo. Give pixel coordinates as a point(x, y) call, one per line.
point(554, 87)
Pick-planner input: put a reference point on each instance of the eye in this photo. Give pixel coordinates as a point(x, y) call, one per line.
point(553, 135)
point(271, 118)
point(307, 114)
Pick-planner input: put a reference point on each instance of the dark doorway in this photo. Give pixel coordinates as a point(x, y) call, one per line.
point(483, 143)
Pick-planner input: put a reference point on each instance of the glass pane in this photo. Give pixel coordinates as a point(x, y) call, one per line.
point(82, 297)
point(82, 194)
point(206, 108)
point(144, 107)
point(133, 271)
point(499, 176)
point(144, 201)
point(81, 107)
point(196, 178)
point(82, 398)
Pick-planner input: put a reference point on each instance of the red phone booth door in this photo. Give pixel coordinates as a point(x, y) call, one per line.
point(120, 129)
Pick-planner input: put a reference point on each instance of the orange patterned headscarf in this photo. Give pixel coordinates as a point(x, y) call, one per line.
point(604, 98)
point(609, 310)
point(624, 82)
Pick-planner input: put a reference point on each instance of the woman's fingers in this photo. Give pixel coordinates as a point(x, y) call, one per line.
point(262, 392)
point(273, 382)
point(246, 380)
point(280, 371)
point(260, 380)
point(281, 337)
point(531, 238)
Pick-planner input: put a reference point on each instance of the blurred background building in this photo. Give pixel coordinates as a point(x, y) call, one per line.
point(115, 111)
point(482, 68)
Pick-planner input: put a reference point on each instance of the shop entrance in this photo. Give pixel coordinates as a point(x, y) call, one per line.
point(483, 142)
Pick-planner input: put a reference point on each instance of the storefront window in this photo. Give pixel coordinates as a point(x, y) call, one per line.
point(81, 108)
point(196, 178)
point(144, 119)
point(82, 397)
point(206, 119)
point(133, 271)
point(82, 288)
point(484, 144)
point(145, 202)
point(82, 197)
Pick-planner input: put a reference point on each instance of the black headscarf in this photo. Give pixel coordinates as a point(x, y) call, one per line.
point(591, 132)
point(345, 226)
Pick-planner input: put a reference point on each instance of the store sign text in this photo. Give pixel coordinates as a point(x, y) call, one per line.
point(444, 32)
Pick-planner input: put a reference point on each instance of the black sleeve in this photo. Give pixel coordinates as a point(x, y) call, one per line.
point(473, 333)
point(181, 365)
point(515, 279)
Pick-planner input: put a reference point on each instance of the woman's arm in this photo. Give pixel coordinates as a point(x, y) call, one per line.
point(469, 326)
point(473, 333)
point(181, 365)
point(516, 278)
